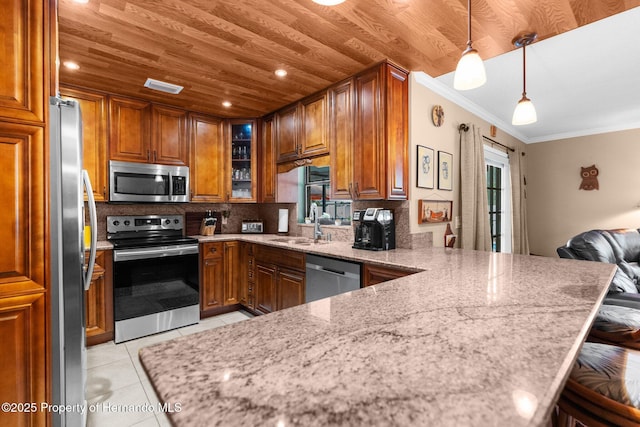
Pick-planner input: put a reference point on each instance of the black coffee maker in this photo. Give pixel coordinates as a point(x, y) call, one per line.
point(375, 229)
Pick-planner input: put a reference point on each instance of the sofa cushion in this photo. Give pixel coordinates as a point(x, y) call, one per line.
point(627, 244)
point(593, 246)
point(612, 371)
point(617, 319)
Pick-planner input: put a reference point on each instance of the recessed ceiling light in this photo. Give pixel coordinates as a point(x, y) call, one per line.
point(226, 104)
point(328, 2)
point(280, 72)
point(163, 86)
point(71, 65)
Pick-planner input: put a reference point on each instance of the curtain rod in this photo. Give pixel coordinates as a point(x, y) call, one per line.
point(496, 142)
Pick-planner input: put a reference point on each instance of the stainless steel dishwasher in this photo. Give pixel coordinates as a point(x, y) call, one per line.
point(327, 277)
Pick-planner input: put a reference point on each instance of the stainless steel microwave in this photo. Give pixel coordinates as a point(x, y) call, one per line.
point(148, 183)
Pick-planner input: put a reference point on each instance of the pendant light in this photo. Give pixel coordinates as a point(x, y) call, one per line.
point(328, 2)
point(470, 72)
point(525, 112)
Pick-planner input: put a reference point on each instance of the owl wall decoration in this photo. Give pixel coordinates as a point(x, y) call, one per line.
point(589, 178)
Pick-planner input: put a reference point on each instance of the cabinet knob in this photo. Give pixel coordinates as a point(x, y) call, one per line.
point(213, 250)
point(104, 191)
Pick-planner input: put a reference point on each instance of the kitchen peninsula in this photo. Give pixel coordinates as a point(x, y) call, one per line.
point(475, 338)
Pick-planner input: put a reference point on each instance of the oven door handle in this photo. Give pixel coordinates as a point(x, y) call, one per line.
point(157, 252)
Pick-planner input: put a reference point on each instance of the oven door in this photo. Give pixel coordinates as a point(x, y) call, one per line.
point(154, 280)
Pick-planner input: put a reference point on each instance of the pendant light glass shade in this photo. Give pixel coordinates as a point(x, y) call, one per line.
point(525, 113)
point(470, 72)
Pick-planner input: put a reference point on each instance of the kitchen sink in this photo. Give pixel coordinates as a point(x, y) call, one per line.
point(304, 241)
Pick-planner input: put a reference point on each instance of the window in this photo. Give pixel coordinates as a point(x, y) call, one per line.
point(499, 197)
point(318, 189)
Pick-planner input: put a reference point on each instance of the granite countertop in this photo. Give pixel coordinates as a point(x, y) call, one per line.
point(474, 339)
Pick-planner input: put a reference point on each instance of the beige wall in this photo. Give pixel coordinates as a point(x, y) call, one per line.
point(558, 210)
point(444, 138)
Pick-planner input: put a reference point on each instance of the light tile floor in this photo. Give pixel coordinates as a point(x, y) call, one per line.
point(116, 379)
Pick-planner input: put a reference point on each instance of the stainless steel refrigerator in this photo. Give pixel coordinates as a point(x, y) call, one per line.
point(70, 274)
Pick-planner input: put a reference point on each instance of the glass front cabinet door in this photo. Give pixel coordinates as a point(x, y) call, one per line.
point(243, 152)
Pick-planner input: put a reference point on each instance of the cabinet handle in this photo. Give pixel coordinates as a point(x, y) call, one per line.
point(228, 196)
point(148, 155)
point(350, 190)
point(104, 191)
point(357, 190)
point(155, 156)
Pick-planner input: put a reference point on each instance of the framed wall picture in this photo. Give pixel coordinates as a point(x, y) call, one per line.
point(434, 211)
point(426, 165)
point(445, 170)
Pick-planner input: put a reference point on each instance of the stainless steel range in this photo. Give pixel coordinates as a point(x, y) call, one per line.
point(155, 275)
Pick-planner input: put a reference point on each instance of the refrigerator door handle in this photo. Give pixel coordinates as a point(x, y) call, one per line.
point(94, 229)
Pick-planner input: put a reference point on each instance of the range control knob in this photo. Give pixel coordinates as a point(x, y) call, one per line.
point(167, 221)
point(127, 222)
point(176, 221)
point(116, 223)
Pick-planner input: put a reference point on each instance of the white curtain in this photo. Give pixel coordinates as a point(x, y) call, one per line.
point(476, 232)
point(520, 235)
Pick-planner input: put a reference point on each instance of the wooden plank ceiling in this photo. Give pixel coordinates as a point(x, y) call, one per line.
point(228, 49)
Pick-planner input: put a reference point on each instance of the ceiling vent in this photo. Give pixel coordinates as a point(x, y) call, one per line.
point(163, 86)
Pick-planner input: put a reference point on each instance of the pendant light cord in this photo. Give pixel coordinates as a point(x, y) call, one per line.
point(469, 24)
point(524, 69)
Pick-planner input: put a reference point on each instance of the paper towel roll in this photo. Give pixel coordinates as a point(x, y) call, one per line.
point(283, 220)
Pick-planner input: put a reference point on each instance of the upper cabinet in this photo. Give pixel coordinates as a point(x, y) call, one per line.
point(140, 132)
point(267, 176)
point(94, 137)
point(242, 156)
point(22, 45)
point(207, 159)
point(302, 129)
point(375, 164)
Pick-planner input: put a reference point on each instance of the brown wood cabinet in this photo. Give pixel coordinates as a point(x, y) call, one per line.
point(207, 159)
point(374, 274)
point(231, 272)
point(265, 288)
point(247, 275)
point(290, 286)
point(140, 132)
point(279, 279)
point(302, 129)
point(24, 83)
point(94, 137)
point(169, 136)
point(25, 359)
point(241, 170)
point(267, 177)
point(211, 277)
point(341, 139)
point(99, 301)
point(379, 155)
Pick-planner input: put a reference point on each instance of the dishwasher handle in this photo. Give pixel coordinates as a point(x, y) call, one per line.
point(327, 270)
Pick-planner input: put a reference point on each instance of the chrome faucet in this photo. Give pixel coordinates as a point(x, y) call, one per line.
point(317, 232)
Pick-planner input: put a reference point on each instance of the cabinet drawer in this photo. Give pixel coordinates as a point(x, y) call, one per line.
point(280, 257)
point(374, 274)
point(212, 250)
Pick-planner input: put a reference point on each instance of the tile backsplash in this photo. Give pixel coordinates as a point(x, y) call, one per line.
point(268, 212)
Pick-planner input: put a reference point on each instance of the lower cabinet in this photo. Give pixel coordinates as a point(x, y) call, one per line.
point(279, 279)
point(290, 285)
point(211, 277)
point(265, 289)
point(99, 300)
point(246, 288)
point(374, 274)
point(220, 276)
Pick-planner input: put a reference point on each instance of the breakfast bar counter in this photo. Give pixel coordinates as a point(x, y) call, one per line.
point(474, 339)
